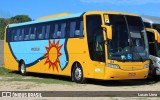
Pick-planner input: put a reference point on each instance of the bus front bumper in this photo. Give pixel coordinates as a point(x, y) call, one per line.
point(118, 74)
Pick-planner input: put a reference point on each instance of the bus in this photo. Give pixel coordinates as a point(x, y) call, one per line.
point(96, 44)
point(154, 42)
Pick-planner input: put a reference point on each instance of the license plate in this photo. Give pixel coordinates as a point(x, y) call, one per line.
point(132, 74)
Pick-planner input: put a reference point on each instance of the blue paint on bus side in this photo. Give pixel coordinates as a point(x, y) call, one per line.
point(33, 51)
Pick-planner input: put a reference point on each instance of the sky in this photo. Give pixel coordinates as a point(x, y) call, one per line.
point(39, 8)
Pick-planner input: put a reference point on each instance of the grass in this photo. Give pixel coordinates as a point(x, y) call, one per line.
point(6, 72)
point(8, 76)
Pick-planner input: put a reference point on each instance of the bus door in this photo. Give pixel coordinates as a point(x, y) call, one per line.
point(96, 44)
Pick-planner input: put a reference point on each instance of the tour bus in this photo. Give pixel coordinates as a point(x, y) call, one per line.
point(97, 44)
point(154, 42)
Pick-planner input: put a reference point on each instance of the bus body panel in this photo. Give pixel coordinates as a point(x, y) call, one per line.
point(36, 55)
point(9, 60)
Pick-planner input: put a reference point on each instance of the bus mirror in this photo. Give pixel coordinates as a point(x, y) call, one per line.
point(108, 31)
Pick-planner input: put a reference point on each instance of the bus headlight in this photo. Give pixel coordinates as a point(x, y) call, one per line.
point(146, 66)
point(113, 66)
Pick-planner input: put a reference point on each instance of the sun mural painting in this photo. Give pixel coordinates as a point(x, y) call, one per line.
point(53, 54)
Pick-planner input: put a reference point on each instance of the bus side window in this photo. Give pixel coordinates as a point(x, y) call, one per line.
point(59, 34)
point(33, 33)
point(27, 33)
point(72, 29)
point(40, 31)
point(63, 30)
point(47, 32)
point(9, 35)
point(81, 28)
point(55, 31)
point(21, 33)
point(13, 33)
point(77, 31)
point(43, 31)
point(16, 36)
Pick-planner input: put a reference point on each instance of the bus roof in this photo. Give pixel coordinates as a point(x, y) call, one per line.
point(46, 20)
point(67, 16)
point(151, 19)
point(54, 16)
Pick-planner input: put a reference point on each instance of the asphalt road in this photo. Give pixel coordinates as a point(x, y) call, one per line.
point(1, 53)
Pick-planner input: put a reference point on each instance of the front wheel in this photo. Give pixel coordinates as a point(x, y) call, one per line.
point(22, 69)
point(77, 74)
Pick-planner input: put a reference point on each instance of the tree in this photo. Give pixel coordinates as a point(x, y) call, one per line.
point(20, 19)
point(3, 24)
point(16, 19)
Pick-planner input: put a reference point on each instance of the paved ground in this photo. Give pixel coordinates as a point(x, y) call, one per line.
point(91, 85)
point(1, 52)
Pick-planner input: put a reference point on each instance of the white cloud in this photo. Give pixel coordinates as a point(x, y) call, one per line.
point(123, 1)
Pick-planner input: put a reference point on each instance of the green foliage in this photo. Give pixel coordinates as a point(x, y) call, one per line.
point(12, 76)
point(20, 19)
point(16, 19)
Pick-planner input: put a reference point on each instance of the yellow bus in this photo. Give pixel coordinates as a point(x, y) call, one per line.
point(96, 44)
point(153, 24)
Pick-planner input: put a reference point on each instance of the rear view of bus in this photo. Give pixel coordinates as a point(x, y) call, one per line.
point(153, 24)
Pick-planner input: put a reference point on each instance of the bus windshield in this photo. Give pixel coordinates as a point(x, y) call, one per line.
point(157, 27)
point(129, 41)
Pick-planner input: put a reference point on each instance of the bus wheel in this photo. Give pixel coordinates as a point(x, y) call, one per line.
point(23, 68)
point(77, 74)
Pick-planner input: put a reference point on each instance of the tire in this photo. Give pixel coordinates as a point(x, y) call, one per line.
point(77, 74)
point(22, 69)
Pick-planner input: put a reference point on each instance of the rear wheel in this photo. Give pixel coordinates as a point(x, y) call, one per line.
point(77, 74)
point(22, 68)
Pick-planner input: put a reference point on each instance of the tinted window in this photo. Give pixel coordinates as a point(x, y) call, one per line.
point(147, 25)
point(81, 28)
point(72, 28)
point(56, 31)
point(9, 35)
point(40, 30)
point(47, 32)
point(15, 38)
point(63, 30)
point(21, 34)
point(76, 29)
point(95, 38)
point(27, 33)
point(157, 27)
point(33, 33)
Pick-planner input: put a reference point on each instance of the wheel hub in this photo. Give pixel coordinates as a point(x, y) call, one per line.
point(78, 73)
point(22, 68)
